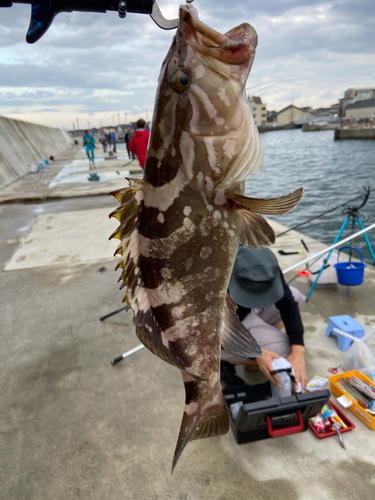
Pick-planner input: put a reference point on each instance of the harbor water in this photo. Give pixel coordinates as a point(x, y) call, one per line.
point(331, 172)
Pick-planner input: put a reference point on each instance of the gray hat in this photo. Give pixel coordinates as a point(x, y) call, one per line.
point(255, 280)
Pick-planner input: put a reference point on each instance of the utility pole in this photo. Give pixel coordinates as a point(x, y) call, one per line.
point(146, 115)
point(77, 124)
point(118, 118)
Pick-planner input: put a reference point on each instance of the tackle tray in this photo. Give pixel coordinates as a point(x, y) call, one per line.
point(328, 432)
point(264, 415)
point(355, 408)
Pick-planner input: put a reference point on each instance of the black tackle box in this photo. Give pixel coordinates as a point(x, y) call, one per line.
point(264, 414)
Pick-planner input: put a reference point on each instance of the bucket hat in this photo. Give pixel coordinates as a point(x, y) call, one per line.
point(255, 281)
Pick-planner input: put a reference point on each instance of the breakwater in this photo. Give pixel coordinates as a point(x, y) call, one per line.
point(23, 143)
point(316, 127)
point(355, 133)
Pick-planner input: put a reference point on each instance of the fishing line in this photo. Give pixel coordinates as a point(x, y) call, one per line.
point(319, 216)
point(309, 264)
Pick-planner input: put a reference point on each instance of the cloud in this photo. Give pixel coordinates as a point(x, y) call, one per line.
point(98, 65)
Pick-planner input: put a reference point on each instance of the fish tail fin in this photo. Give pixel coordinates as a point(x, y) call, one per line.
point(201, 419)
point(255, 230)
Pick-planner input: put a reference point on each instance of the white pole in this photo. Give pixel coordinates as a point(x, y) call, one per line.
point(132, 351)
point(326, 250)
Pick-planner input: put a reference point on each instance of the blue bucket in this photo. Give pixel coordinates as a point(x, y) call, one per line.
point(350, 274)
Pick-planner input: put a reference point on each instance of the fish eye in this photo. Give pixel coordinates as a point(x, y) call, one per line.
point(179, 81)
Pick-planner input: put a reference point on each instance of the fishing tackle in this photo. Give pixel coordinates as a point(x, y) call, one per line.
point(43, 12)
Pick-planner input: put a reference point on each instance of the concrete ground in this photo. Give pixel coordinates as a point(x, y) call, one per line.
point(67, 177)
point(75, 427)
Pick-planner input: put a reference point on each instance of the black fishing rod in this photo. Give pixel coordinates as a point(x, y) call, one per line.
point(43, 12)
point(366, 196)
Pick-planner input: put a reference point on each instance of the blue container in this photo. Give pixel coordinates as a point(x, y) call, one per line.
point(350, 274)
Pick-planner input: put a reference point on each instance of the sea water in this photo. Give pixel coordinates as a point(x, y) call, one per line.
point(331, 172)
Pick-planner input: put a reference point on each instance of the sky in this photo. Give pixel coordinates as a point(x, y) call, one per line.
point(99, 70)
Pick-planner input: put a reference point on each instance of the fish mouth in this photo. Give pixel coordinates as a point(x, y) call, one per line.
point(236, 47)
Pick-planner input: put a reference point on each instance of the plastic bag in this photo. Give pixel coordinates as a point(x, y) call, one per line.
point(359, 356)
point(328, 276)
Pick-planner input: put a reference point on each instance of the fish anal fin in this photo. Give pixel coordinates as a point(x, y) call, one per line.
point(255, 231)
point(151, 335)
point(271, 206)
point(201, 419)
point(234, 336)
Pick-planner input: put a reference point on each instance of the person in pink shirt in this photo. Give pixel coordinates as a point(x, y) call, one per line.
point(138, 144)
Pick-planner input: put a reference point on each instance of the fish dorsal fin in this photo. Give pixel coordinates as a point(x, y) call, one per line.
point(203, 417)
point(128, 213)
point(255, 230)
point(235, 337)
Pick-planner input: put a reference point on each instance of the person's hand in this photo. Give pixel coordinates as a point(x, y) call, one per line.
point(265, 366)
point(297, 360)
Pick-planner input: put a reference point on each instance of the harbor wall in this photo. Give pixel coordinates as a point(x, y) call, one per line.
point(265, 128)
point(355, 133)
point(315, 127)
point(23, 143)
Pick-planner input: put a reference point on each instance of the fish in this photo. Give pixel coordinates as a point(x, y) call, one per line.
point(181, 224)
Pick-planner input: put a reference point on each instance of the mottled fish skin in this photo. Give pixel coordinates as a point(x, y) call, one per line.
point(181, 225)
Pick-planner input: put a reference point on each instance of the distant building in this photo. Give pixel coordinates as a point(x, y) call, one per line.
point(292, 114)
point(320, 115)
point(271, 117)
point(354, 95)
point(258, 109)
point(361, 109)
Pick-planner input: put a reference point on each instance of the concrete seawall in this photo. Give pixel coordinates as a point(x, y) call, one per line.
point(315, 127)
point(355, 133)
point(23, 143)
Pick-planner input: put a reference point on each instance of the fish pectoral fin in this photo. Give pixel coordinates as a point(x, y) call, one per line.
point(201, 419)
point(270, 206)
point(255, 230)
point(235, 337)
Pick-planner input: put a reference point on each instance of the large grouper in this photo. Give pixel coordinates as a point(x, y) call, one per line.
point(181, 225)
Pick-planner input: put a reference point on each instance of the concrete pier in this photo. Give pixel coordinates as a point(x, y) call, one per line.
point(316, 127)
point(73, 427)
point(355, 133)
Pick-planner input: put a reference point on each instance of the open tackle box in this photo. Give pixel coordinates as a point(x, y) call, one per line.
point(264, 414)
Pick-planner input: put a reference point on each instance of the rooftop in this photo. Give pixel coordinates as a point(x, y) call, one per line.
point(290, 106)
point(368, 103)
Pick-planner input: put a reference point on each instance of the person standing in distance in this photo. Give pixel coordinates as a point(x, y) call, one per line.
point(138, 144)
point(89, 142)
point(113, 141)
point(127, 139)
